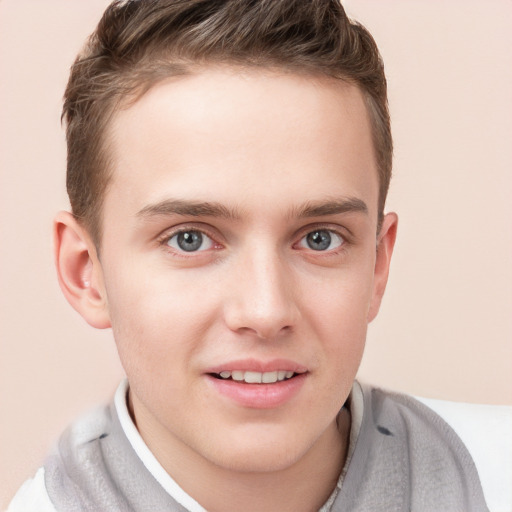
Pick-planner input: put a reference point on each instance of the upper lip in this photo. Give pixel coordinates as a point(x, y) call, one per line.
point(254, 365)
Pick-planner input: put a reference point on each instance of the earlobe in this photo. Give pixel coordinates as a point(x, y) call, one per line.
point(79, 270)
point(385, 244)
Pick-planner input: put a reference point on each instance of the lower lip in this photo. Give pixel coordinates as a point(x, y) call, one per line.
point(259, 396)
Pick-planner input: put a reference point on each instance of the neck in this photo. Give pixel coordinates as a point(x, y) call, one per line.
point(303, 486)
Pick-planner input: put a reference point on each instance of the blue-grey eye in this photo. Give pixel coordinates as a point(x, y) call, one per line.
point(190, 241)
point(321, 240)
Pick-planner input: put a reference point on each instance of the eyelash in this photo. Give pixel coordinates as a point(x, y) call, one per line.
point(343, 235)
point(164, 239)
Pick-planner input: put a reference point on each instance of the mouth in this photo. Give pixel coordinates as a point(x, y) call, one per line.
point(256, 384)
point(251, 377)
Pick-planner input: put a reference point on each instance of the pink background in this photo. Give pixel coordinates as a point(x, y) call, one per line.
point(445, 328)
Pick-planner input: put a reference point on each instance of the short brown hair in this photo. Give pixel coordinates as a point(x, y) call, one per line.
point(140, 42)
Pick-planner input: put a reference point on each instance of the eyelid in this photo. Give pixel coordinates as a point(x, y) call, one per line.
point(168, 233)
point(342, 232)
point(335, 237)
point(206, 242)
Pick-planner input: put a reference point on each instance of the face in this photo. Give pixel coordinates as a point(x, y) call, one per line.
point(239, 261)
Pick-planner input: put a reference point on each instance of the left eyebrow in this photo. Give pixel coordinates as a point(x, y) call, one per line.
point(330, 207)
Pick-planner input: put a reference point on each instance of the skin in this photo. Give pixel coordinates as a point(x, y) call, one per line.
point(278, 155)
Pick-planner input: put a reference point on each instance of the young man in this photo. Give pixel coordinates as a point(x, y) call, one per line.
point(228, 164)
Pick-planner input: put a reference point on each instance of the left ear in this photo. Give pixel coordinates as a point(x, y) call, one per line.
point(385, 243)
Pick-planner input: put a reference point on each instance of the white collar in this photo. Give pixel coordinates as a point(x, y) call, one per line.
point(145, 455)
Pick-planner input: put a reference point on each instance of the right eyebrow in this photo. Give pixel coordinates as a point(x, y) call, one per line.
point(188, 208)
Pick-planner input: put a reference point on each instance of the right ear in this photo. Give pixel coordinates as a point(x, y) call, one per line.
point(79, 270)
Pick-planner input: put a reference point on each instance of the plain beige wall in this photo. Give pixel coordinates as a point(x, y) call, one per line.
point(445, 327)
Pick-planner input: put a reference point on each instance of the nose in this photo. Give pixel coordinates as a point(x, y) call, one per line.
point(262, 299)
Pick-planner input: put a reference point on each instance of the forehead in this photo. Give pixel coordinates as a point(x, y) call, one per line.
point(252, 133)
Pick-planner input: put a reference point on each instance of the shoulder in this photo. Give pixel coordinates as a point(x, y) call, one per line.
point(398, 415)
point(486, 431)
point(407, 455)
point(469, 435)
point(72, 449)
point(32, 496)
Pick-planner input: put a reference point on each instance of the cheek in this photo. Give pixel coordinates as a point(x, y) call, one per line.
point(342, 298)
point(338, 310)
point(158, 320)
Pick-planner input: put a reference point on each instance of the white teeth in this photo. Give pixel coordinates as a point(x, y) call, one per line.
point(257, 377)
point(269, 377)
point(253, 377)
point(237, 375)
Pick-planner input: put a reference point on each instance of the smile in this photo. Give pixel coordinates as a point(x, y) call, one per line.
point(257, 390)
point(251, 377)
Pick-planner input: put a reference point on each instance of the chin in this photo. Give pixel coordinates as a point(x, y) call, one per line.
point(261, 454)
point(258, 462)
